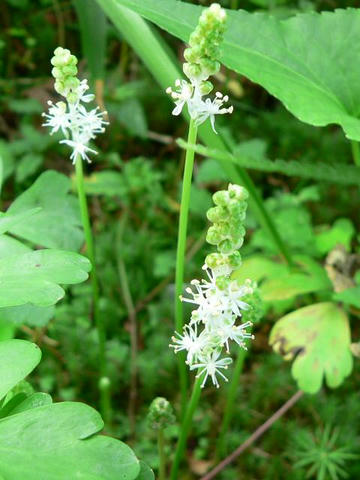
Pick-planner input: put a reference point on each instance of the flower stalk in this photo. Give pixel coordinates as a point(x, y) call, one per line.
point(201, 62)
point(79, 127)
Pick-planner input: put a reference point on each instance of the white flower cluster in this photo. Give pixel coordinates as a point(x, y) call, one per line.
point(190, 94)
point(77, 124)
point(217, 312)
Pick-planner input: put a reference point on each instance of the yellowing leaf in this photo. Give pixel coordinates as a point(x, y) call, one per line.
point(317, 337)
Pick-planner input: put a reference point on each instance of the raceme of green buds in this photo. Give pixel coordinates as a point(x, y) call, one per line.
point(160, 414)
point(64, 72)
point(203, 51)
point(227, 231)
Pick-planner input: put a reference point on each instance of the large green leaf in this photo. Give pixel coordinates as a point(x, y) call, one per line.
point(93, 35)
point(317, 337)
point(319, 85)
point(57, 441)
point(34, 277)
point(7, 221)
point(28, 314)
point(57, 224)
point(17, 359)
point(11, 246)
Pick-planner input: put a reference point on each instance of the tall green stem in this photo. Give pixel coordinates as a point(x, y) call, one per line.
point(104, 385)
point(355, 152)
point(180, 255)
point(230, 402)
point(185, 428)
point(162, 457)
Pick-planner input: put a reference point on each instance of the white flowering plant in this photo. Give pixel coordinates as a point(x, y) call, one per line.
point(78, 124)
point(220, 298)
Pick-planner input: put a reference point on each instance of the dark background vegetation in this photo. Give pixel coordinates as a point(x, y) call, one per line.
point(135, 216)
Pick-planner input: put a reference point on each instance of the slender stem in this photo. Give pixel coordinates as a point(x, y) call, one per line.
point(258, 433)
point(355, 152)
point(95, 287)
point(185, 428)
point(180, 256)
point(162, 457)
point(230, 402)
point(133, 343)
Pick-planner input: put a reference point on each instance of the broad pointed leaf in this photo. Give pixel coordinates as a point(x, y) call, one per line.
point(34, 277)
point(17, 359)
point(58, 223)
point(319, 85)
point(317, 337)
point(57, 441)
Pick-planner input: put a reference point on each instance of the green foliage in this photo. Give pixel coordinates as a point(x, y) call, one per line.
point(34, 277)
point(327, 172)
point(317, 337)
point(93, 36)
point(18, 359)
point(59, 438)
point(57, 224)
point(321, 454)
point(318, 89)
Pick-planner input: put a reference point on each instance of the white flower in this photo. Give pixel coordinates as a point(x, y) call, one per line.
point(208, 109)
point(191, 342)
point(229, 331)
point(214, 302)
point(211, 365)
point(79, 148)
point(82, 88)
point(182, 96)
point(77, 124)
point(57, 118)
point(190, 94)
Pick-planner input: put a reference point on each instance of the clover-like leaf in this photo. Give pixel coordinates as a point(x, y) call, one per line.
point(34, 277)
point(17, 359)
point(57, 224)
point(45, 441)
point(318, 85)
point(58, 441)
point(317, 337)
point(7, 220)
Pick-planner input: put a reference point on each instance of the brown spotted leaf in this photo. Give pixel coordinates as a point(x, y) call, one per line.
point(317, 337)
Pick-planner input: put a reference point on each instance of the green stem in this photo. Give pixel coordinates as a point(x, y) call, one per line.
point(230, 402)
point(162, 457)
point(185, 428)
point(355, 152)
point(180, 256)
point(104, 392)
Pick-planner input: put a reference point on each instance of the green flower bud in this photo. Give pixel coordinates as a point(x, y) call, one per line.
point(235, 260)
point(221, 198)
point(70, 70)
point(237, 192)
point(213, 237)
point(160, 414)
point(226, 246)
point(204, 44)
point(206, 87)
point(222, 282)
